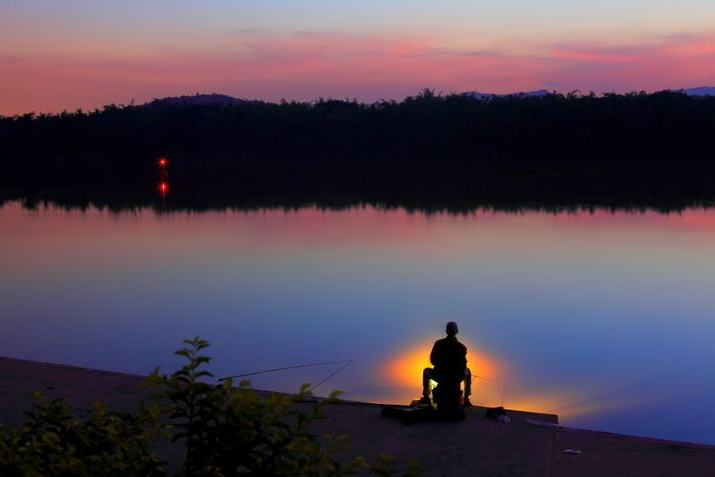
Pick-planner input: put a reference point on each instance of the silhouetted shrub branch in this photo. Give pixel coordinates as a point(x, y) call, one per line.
point(224, 430)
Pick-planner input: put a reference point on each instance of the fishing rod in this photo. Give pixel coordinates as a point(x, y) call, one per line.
point(344, 362)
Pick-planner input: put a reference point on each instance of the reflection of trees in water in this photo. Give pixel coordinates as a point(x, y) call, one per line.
point(120, 203)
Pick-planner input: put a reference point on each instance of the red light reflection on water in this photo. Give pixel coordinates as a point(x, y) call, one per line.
point(163, 186)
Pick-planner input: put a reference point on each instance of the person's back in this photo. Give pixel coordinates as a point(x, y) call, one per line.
point(449, 358)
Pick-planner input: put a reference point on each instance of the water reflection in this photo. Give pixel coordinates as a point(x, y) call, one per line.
point(134, 197)
point(604, 318)
point(402, 370)
point(162, 164)
point(499, 385)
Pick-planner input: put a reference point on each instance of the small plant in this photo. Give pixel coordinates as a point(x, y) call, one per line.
point(234, 430)
point(225, 431)
point(53, 443)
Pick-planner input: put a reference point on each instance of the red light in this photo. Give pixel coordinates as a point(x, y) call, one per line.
point(162, 175)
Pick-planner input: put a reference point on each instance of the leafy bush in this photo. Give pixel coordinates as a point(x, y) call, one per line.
point(223, 430)
point(53, 443)
point(234, 430)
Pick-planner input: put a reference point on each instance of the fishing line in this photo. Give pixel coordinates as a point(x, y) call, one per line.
point(347, 362)
point(632, 387)
point(471, 380)
point(344, 362)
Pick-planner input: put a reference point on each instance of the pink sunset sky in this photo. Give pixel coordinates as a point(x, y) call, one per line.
point(85, 54)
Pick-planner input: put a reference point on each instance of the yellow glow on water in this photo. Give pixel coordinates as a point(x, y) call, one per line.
point(567, 404)
point(494, 386)
point(549, 403)
point(405, 368)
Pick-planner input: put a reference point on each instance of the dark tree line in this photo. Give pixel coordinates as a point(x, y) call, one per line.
point(428, 149)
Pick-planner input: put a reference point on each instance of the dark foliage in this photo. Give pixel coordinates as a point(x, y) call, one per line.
point(428, 150)
point(222, 431)
point(55, 443)
point(232, 430)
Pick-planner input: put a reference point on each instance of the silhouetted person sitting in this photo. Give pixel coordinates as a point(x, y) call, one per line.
point(449, 358)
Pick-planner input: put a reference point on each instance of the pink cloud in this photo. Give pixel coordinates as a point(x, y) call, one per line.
point(587, 53)
point(307, 65)
point(668, 62)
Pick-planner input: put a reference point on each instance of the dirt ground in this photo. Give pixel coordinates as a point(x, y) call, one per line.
point(530, 445)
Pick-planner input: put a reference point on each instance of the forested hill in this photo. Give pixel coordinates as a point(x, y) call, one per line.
point(198, 99)
point(650, 146)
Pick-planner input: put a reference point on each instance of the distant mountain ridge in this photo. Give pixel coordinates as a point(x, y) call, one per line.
point(699, 91)
point(226, 100)
point(201, 100)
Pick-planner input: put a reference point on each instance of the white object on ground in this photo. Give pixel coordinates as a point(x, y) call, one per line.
point(536, 422)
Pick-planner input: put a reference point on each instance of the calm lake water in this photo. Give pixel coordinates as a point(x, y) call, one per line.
point(606, 319)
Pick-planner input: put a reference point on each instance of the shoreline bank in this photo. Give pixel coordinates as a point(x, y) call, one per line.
point(531, 444)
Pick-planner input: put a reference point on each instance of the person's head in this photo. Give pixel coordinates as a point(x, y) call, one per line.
point(452, 328)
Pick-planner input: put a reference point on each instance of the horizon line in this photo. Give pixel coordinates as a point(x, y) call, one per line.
point(440, 93)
